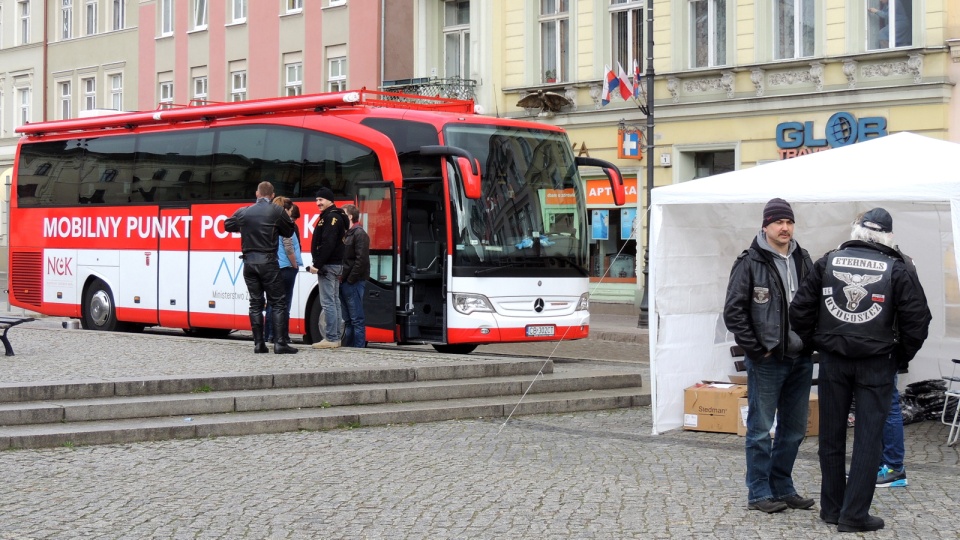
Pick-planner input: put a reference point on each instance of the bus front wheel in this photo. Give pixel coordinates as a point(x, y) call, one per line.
point(99, 311)
point(459, 348)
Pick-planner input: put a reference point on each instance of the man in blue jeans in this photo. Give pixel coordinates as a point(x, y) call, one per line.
point(892, 473)
point(779, 368)
point(326, 248)
point(356, 270)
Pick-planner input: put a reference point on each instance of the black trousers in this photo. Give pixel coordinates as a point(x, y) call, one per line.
point(264, 278)
point(841, 379)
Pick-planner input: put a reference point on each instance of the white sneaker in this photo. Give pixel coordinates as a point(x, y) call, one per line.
point(324, 344)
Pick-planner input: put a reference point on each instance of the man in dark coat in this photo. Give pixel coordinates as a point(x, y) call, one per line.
point(259, 226)
point(779, 368)
point(326, 248)
point(865, 311)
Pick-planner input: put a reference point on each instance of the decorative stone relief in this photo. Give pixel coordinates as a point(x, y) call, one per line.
point(673, 86)
point(816, 75)
point(570, 93)
point(756, 77)
point(596, 91)
point(698, 86)
point(726, 82)
point(913, 66)
point(850, 71)
point(790, 78)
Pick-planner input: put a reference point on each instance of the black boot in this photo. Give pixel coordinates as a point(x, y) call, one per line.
point(280, 346)
point(256, 324)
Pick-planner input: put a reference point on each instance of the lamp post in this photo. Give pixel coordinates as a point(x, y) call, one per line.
point(644, 319)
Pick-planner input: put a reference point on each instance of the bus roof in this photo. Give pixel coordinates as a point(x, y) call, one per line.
point(207, 113)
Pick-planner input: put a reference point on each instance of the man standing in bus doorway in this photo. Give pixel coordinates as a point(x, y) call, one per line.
point(356, 270)
point(326, 248)
point(259, 226)
point(779, 367)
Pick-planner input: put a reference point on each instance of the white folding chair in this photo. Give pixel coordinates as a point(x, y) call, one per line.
point(952, 393)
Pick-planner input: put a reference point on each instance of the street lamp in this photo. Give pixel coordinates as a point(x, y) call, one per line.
point(644, 319)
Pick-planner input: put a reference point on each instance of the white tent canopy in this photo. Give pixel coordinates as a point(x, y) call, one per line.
point(698, 228)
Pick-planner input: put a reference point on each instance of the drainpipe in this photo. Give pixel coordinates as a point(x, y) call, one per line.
point(383, 33)
point(44, 74)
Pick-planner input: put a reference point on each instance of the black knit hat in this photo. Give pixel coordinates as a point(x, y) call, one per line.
point(325, 193)
point(775, 210)
point(877, 219)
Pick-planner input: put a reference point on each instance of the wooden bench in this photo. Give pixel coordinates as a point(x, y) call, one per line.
point(6, 323)
point(737, 352)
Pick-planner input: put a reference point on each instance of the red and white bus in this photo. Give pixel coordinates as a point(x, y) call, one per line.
point(478, 225)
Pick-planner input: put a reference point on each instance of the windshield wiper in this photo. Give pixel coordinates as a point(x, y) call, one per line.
point(493, 269)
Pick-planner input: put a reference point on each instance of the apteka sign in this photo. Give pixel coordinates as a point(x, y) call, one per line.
point(798, 138)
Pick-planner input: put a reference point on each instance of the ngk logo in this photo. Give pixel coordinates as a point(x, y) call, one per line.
point(60, 266)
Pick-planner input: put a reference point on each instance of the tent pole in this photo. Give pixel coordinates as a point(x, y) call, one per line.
point(644, 319)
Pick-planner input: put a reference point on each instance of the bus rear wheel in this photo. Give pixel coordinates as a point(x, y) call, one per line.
point(99, 310)
point(315, 331)
point(459, 348)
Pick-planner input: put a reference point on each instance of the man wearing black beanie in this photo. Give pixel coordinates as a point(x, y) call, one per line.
point(326, 248)
point(779, 367)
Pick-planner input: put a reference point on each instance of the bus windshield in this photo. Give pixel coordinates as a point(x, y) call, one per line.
point(532, 204)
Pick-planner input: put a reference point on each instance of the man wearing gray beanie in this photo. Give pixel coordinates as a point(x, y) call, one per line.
point(779, 368)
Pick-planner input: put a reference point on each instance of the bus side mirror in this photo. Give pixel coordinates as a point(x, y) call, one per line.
point(613, 175)
point(471, 180)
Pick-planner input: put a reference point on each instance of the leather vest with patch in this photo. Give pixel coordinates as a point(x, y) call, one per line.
point(857, 297)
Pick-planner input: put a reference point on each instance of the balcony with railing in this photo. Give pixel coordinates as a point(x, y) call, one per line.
point(453, 87)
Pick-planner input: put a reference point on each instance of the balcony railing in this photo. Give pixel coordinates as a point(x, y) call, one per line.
point(453, 87)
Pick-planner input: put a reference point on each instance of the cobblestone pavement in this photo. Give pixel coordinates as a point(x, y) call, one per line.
point(583, 475)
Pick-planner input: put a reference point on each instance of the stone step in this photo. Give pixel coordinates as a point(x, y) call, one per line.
point(45, 391)
point(278, 421)
point(145, 406)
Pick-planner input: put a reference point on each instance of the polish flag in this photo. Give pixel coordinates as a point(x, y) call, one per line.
point(626, 90)
point(610, 82)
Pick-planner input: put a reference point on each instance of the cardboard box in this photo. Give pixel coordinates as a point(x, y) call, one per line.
point(738, 379)
point(711, 406)
point(813, 420)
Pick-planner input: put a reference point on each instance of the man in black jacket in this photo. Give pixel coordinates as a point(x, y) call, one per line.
point(326, 248)
point(779, 369)
point(259, 226)
point(356, 270)
point(865, 311)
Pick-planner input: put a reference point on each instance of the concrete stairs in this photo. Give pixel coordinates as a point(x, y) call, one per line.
point(129, 410)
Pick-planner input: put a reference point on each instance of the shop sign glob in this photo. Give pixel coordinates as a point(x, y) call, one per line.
point(798, 138)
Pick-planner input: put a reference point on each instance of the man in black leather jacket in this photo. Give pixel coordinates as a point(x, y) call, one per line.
point(259, 226)
point(779, 369)
point(863, 308)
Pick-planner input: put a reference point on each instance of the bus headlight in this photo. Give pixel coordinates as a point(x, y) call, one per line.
point(470, 303)
point(584, 303)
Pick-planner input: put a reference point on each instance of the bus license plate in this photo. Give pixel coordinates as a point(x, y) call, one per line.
point(541, 330)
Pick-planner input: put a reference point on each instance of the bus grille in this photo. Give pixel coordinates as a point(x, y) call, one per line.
point(26, 277)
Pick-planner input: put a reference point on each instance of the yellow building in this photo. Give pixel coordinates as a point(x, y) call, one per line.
point(737, 83)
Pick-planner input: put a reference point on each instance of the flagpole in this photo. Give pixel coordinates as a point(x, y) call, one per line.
point(644, 319)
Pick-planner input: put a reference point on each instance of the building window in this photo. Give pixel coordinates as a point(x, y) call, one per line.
point(166, 93)
point(238, 86)
point(456, 38)
point(166, 17)
point(199, 14)
point(554, 39)
point(23, 95)
point(24, 6)
point(337, 80)
point(708, 32)
point(90, 12)
point(711, 163)
point(65, 98)
point(889, 24)
point(294, 6)
point(66, 19)
point(793, 30)
point(626, 29)
point(294, 85)
point(334, 3)
point(239, 11)
point(116, 92)
point(200, 89)
point(89, 93)
point(119, 14)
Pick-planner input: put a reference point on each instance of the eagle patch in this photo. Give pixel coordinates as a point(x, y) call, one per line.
point(761, 295)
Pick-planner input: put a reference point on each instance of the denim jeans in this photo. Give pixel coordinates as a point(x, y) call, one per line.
point(329, 280)
point(355, 329)
point(869, 381)
point(893, 433)
point(780, 386)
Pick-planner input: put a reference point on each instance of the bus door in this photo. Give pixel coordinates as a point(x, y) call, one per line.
point(376, 202)
point(423, 254)
point(173, 272)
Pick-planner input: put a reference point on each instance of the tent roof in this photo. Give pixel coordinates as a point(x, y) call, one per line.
point(855, 173)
